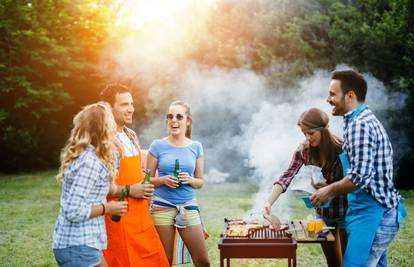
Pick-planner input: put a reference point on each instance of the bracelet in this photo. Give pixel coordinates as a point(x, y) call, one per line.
point(103, 209)
point(127, 188)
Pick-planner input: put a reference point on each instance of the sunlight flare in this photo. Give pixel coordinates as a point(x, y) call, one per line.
point(138, 13)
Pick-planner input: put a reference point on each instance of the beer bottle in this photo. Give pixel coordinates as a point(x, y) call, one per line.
point(117, 218)
point(177, 171)
point(147, 179)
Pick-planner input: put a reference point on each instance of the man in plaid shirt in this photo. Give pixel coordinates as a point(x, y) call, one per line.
point(374, 205)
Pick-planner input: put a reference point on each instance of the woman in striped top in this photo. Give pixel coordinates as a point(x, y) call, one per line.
point(321, 148)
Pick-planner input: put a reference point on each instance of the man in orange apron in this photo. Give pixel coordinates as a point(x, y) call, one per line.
point(133, 241)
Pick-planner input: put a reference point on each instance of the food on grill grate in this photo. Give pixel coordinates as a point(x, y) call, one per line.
point(237, 231)
point(242, 230)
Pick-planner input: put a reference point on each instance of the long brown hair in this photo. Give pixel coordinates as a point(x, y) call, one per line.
point(188, 132)
point(326, 154)
point(94, 125)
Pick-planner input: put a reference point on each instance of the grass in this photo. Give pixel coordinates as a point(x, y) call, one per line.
point(29, 204)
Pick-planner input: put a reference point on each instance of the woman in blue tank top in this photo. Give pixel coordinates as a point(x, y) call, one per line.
point(175, 202)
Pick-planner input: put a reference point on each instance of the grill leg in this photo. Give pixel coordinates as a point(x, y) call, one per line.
point(228, 262)
point(221, 261)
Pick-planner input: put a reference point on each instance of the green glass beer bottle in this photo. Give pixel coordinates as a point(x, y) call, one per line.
point(147, 179)
point(177, 171)
point(117, 218)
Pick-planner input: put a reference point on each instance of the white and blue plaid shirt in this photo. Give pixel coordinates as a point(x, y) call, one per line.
point(85, 183)
point(370, 154)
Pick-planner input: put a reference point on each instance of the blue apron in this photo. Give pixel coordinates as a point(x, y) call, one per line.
point(362, 219)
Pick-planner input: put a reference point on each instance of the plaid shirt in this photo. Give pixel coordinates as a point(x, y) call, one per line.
point(85, 183)
point(339, 204)
point(370, 155)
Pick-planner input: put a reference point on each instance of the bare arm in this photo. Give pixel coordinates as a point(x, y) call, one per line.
point(274, 195)
point(137, 190)
point(168, 180)
point(198, 180)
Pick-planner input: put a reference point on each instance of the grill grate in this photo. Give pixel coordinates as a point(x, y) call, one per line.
point(266, 232)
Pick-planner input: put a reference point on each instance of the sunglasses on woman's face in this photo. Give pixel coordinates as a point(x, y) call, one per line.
point(178, 116)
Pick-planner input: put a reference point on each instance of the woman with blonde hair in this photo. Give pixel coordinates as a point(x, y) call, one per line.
point(175, 204)
point(87, 172)
point(320, 148)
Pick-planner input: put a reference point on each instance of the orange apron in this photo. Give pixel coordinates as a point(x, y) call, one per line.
point(133, 241)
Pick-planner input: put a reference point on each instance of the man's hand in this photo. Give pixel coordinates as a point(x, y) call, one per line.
point(116, 207)
point(321, 196)
point(318, 185)
point(140, 190)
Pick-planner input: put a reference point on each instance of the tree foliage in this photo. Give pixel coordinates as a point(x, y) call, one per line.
point(50, 52)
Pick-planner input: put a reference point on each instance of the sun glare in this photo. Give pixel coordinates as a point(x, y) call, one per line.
point(138, 13)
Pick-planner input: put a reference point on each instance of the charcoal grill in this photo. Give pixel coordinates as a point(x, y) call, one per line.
point(260, 243)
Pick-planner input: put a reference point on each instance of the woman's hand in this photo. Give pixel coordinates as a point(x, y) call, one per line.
point(267, 208)
point(185, 178)
point(116, 207)
point(170, 181)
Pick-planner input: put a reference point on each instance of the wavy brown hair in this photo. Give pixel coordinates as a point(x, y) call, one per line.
point(94, 125)
point(326, 154)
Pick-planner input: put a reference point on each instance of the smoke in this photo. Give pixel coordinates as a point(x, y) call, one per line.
point(248, 130)
point(247, 125)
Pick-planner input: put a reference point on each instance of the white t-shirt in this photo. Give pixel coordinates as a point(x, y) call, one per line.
point(128, 147)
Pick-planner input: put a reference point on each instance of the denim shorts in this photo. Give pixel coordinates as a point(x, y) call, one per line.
point(78, 256)
point(385, 233)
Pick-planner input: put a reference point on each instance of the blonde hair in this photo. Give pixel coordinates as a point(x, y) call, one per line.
point(188, 132)
point(94, 125)
point(326, 154)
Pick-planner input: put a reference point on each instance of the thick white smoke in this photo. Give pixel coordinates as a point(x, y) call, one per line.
point(248, 130)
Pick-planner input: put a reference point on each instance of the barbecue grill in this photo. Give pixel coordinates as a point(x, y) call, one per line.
point(262, 242)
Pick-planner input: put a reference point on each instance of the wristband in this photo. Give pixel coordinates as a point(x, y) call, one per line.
point(103, 209)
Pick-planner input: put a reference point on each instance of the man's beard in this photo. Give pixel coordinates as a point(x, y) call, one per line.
point(339, 108)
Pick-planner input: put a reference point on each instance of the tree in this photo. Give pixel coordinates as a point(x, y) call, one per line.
point(48, 56)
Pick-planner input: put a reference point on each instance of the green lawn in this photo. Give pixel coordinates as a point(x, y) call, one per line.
point(29, 206)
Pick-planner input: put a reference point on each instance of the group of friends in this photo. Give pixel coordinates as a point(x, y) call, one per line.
point(102, 160)
point(366, 209)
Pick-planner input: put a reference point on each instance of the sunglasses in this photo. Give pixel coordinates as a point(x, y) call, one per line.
point(178, 116)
